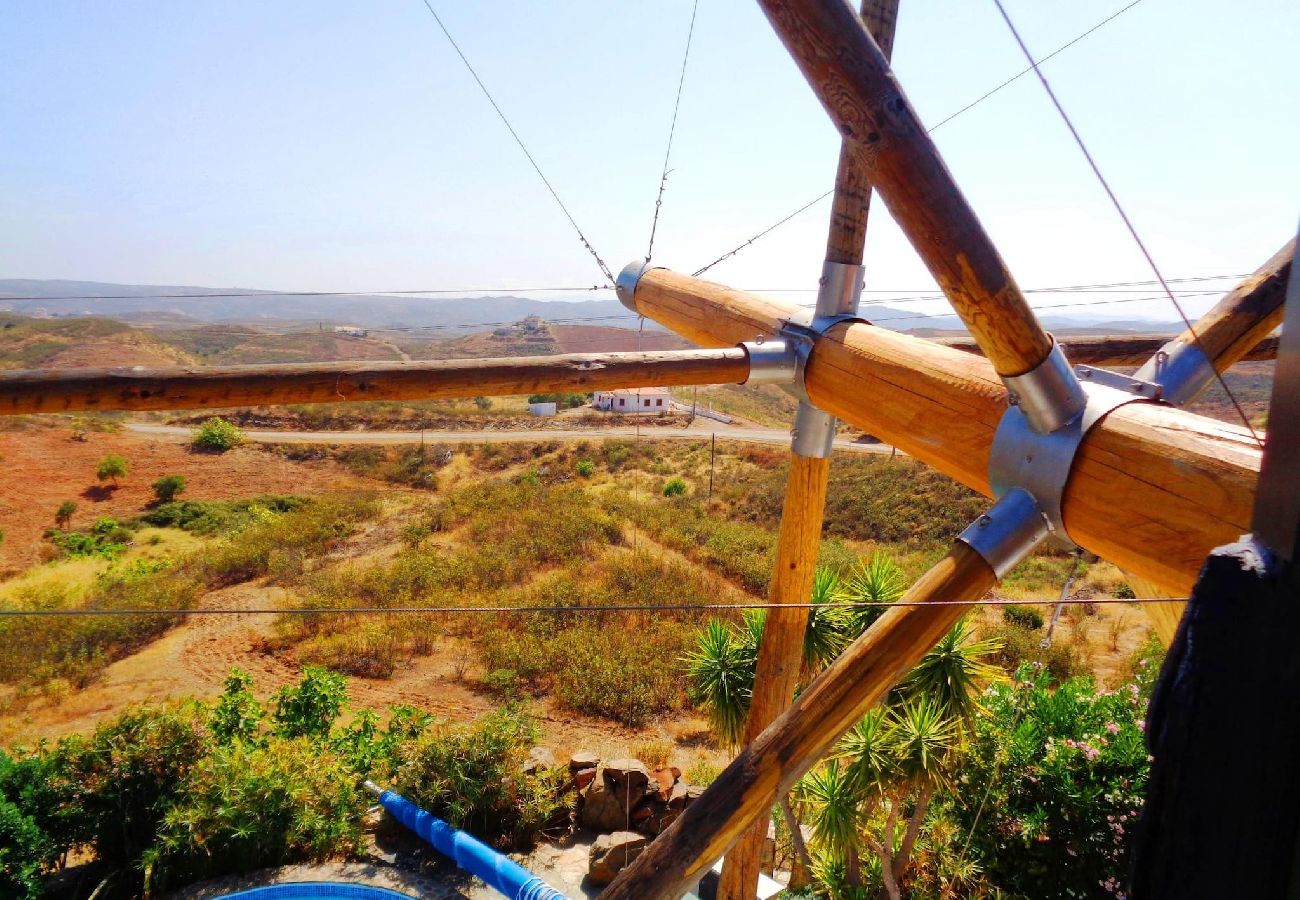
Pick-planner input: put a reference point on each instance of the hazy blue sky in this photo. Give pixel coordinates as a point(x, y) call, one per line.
point(338, 145)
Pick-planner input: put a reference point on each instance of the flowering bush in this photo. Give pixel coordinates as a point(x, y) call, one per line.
point(1065, 771)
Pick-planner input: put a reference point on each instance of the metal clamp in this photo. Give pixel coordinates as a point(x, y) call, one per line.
point(1023, 457)
point(1008, 532)
point(625, 284)
point(1129, 384)
point(1181, 369)
point(1049, 394)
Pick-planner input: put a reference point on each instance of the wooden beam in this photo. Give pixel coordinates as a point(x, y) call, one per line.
point(1232, 330)
point(793, 743)
point(853, 80)
point(211, 387)
point(1119, 350)
point(1153, 489)
point(1243, 318)
point(780, 655)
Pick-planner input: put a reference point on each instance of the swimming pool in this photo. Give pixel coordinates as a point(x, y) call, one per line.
point(317, 890)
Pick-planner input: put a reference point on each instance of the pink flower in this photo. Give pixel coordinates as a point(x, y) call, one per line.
point(1092, 753)
point(1112, 728)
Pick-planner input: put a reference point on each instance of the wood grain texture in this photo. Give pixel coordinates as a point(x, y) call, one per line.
point(780, 655)
point(1244, 317)
point(210, 387)
point(1121, 349)
point(791, 745)
point(1153, 489)
point(859, 91)
point(851, 203)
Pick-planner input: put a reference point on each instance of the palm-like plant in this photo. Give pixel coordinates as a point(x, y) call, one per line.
point(954, 673)
point(877, 580)
point(831, 803)
point(826, 634)
point(721, 677)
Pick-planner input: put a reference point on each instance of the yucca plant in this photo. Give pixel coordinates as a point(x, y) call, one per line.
point(954, 673)
point(825, 636)
point(877, 580)
point(831, 802)
point(721, 676)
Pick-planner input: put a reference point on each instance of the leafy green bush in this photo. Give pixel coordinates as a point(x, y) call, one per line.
point(216, 435)
point(310, 707)
point(471, 776)
point(585, 468)
point(209, 517)
point(24, 851)
point(1065, 768)
point(238, 715)
point(1019, 645)
point(674, 487)
point(248, 807)
point(113, 466)
point(1024, 616)
point(167, 487)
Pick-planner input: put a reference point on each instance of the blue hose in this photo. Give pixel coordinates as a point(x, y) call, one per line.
point(495, 869)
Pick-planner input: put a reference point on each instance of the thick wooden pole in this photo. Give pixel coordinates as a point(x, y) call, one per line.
point(853, 80)
point(1119, 349)
point(1229, 332)
point(792, 744)
point(1153, 489)
point(207, 387)
point(781, 654)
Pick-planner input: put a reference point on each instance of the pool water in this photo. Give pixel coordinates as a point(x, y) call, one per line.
point(316, 890)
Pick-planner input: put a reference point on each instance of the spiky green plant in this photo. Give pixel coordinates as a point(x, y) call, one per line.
point(721, 676)
point(954, 673)
point(877, 580)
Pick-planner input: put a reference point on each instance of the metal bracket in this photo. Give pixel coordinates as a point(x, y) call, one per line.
point(784, 361)
point(1022, 457)
point(625, 284)
point(1008, 532)
point(1049, 394)
point(1129, 384)
point(1181, 369)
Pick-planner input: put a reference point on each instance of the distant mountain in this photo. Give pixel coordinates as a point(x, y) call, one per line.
point(158, 303)
point(172, 305)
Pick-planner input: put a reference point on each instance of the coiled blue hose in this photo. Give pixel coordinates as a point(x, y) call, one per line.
point(494, 869)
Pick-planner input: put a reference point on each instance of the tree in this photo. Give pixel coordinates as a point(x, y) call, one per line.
point(63, 515)
point(168, 487)
point(216, 435)
point(112, 467)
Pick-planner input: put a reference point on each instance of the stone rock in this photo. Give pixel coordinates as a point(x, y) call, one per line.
point(601, 810)
point(627, 780)
point(680, 796)
point(611, 853)
point(540, 759)
point(584, 777)
point(664, 781)
point(583, 759)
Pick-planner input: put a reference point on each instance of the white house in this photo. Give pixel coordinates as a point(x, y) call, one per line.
point(634, 401)
point(542, 409)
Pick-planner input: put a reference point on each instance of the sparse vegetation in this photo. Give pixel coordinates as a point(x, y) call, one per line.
point(111, 467)
point(63, 515)
point(216, 435)
point(168, 487)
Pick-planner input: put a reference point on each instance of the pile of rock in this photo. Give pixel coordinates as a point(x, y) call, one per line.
point(628, 803)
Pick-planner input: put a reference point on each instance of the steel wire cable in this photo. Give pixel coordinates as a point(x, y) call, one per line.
point(932, 128)
point(1128, 223)
point(672, 129)
point(621, 607)
point(609, 276)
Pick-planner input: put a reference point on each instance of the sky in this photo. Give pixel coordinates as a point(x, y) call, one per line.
point(342, 145)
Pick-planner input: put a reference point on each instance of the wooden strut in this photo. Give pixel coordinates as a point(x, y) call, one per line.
point(1234, 329)
point(1120, 350)
point(780, 655)
point(211, 387)
point(771, 764)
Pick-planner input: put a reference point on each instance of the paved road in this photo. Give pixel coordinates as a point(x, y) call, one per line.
point(694, 432)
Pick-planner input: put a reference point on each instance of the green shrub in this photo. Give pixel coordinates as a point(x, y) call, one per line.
point(483, 403)
point(585, 468)
point(224, 517)
point(246, 808)
point(1021, 645)
point(63, 515)
point(310, 707)
point(113, 466)
point(24, 851)
point(216, 435)
point(471, 776)
point(238, 715)
point(674, 487)
point(167, 487)
point(1065, 770)
point(1024, 616)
